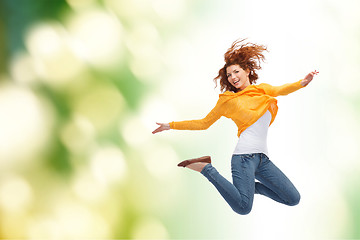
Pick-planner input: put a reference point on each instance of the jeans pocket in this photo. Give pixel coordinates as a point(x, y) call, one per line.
point(236, 161)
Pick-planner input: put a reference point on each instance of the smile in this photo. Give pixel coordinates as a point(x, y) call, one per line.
point(236, 81)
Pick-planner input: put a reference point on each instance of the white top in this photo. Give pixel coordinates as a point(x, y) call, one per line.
point(254, 138)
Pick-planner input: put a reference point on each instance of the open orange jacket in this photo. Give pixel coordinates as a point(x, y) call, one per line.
point(244, 107)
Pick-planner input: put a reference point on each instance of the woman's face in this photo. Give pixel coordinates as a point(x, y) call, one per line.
point(237, 76)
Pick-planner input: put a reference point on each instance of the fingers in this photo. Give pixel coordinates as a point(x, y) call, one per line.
point(314, 72)
point(311, 75)
point(163, 126)
point(159, 129)
point(156, 130)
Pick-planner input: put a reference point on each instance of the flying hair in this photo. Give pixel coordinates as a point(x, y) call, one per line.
point(248, 56)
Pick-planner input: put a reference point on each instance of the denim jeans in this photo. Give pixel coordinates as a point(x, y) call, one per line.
point(245, 169)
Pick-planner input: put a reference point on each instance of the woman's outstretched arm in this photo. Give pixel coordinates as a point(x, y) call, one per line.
point(200, 124)
point(289, 87)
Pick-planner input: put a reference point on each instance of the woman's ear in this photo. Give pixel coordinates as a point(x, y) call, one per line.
point(247, 71)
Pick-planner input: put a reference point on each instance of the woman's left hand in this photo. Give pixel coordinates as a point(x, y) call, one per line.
point(308, 78)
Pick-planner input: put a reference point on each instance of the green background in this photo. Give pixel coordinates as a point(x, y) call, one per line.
point(82, 83)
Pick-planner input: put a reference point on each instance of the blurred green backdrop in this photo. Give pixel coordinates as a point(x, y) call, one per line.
point(82, 83)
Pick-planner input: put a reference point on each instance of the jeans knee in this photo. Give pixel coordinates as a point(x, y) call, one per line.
point(242, 210)
point(295, 199)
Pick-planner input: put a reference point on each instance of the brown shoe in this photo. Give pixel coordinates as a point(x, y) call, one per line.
point(206, 159)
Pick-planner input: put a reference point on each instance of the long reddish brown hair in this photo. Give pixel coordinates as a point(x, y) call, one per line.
point(247, 55)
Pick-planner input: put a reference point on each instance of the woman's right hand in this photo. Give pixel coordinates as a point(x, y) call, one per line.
point(163, 126)
point(308, 78)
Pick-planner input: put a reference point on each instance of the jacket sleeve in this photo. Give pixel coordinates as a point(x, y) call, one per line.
point(200, 124)
point(283, 89)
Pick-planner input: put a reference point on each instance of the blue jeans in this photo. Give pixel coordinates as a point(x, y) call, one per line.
point(245, 169)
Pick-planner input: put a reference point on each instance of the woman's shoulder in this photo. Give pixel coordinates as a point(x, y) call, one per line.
point(264, 85)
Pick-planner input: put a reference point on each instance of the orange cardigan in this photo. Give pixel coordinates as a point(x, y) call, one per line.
point(244, 107)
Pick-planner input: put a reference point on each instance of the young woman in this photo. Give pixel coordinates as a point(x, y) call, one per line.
point(253, 108)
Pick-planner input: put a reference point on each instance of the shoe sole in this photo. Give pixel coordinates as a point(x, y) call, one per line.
point(206, 159)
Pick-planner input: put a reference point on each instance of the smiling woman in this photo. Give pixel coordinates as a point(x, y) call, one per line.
point(238, 77)
point(253, 108)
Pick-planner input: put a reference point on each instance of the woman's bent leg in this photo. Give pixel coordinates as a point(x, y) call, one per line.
point(239, 195)
point(274, 184)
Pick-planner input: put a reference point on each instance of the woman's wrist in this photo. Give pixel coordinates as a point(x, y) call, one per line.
point(303, 83)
